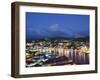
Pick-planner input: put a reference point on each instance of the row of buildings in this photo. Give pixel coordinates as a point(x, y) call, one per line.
point(76, 51)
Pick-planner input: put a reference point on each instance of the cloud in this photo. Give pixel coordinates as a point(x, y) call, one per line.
point(54, 27)
point(57, 30)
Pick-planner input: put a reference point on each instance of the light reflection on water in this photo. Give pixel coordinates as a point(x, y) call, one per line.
point(77, 56)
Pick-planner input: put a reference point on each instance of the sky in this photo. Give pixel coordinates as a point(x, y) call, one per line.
point(47, 25)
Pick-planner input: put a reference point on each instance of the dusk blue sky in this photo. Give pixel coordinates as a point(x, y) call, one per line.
point(45, 25)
